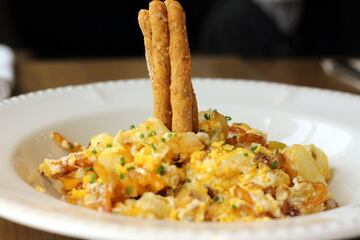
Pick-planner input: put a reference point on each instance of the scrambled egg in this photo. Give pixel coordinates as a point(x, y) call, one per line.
point(223, 173)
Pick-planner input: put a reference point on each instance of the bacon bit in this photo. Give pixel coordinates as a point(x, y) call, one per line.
point(331, 204)
point(263, 158)
point(271, 191)
point(322, 191)
point(249, 138)
point(289, 210)
point(236, 128)
point(232, 141)
point(65, 144)
point(243, 138)
point(243, 194)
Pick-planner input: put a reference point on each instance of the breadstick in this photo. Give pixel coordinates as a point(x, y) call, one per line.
point(183, 100)
point(160, 62)
point(144, 23)
point(195, 112)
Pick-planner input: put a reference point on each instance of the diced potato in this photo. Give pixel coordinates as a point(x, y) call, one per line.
point(302, 161)
point(185, 143)
point(214, 124)
point(111, 156)
point(154, 205)
point(100, 142)
point(321, 160)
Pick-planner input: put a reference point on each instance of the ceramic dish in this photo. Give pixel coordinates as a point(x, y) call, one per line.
point(287, 113)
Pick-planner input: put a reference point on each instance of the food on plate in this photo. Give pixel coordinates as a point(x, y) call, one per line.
point(184, 165)
point(225, 172)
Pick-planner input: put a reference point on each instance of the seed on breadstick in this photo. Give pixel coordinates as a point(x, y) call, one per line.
point(183, 100)
point(144, 23)
point(161, 72)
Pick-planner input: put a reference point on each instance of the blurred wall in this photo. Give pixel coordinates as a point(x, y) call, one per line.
point(242, 27)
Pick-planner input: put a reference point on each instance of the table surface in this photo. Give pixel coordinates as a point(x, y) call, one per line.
point(37, 74)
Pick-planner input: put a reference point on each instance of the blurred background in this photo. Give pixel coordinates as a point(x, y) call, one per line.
point(248, 28)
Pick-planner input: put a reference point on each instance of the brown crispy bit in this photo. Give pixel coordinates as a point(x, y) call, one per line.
point(263, 158)
point(211, 192)
point(331, 204)
point(289, 210)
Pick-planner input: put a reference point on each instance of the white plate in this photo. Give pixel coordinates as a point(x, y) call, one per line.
point(290, 114)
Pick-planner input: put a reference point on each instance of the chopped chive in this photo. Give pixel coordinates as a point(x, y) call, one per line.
point(122, 176)
point(130, 168)
point(160, 170)
point(89, 169)
point(207, 116)
point(187, 180)
point(94, 151)
point(253, 148)
point(142, 135)
point(132, 127)
point(109, 145)
point(216, 198)
point(246, 154)
point(71, 146)
point(128, 190)
point(163, 139)
point(201, 130)
point(92, 178)
point(153, 146)
point(274, 165)
point(228, 118)
point(152, 133)
point(122, 161)
point(233, 207)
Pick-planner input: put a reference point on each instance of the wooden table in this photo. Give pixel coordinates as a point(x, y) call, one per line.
point(33, 74)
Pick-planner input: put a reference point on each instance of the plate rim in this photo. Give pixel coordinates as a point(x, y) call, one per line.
point(50, 91)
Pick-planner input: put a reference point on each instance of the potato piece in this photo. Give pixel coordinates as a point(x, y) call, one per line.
point(301, 160)
point(320, 159)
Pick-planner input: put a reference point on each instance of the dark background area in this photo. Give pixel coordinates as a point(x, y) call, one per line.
point(66, 28)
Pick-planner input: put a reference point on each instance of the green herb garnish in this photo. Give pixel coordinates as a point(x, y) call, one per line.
point(228, 118)
point(233, 207)
point(109, 145)
point(187, 180)
point(246, 154)
point(207, 116)
point(274, 165)
point(92, 178)
point(163, 139)
point(122, 161)
point(132, 127)
point(128, 190)
point(201, 130)
point(130, 168)
point(216, 198)
point(253, 148)
point(142, 135)
point(94, 151)
point(122, 176)
point(160, 170)
point(153, 146)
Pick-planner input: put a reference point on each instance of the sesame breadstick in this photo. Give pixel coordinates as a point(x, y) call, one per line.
point(160, 62)
point(182, 95)
point(144, 23)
